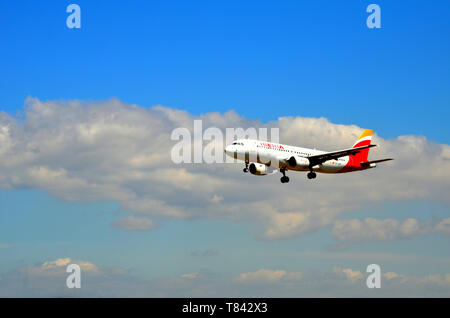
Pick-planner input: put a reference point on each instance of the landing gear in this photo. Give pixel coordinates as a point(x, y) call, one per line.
point(311, 175)
point(246, 168)
point(284, 178)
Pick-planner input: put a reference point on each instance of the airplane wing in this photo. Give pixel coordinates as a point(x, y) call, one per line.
point(318, 159)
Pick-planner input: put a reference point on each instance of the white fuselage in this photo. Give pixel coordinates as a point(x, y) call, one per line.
point(275, 155)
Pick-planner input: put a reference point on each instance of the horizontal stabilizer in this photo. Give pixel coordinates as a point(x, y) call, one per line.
point(368, 163)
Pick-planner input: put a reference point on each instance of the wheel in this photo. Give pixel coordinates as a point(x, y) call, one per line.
point(284, 179)
point(245, 170)
point(311, 175)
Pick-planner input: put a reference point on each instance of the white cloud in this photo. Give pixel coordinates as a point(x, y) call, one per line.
point(436, 279)
point(62, 263)
point(439, 280)
point(386, 230)
point(443, 227)
point(357, 277)
point(391, 275)
point(49, 280)
point(91, 151)
point(190, 275)
point(56, 268)
point(268, 276)
point(350, 274)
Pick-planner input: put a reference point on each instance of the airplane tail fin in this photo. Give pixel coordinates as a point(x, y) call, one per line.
point(364, 140)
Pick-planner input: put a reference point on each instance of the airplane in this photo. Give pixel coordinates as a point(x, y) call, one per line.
point(263, 158)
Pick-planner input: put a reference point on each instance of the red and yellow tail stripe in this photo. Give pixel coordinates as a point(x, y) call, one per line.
point(365, 138)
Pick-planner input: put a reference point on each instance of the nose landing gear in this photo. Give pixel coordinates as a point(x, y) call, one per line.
point(246, 168)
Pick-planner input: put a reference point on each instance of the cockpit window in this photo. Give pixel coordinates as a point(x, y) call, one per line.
point(237, 143)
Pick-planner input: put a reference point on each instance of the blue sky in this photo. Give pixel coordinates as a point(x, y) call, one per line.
point(298, 58)
point(262, 59)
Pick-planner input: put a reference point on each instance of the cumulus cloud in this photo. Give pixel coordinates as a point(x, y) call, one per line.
point(386, 230)
point(190, 275)
point(350, 274)
point(391, 275)
point(268, 276)
point(443, 227)
point(439, 280)
point(59, 266)
point(110, 150)
point(355, 276)
point(49, 280)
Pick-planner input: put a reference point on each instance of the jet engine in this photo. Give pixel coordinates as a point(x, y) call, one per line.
point(298, 162)
point(259, 169)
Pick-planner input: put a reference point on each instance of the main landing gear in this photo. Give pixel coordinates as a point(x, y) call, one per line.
point(246, 168)
point(284, 178)
point(311, 175)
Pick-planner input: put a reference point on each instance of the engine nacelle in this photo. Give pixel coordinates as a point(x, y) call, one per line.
point(298, 162)
point(259, 169)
